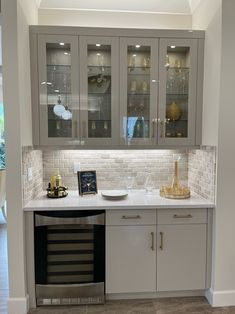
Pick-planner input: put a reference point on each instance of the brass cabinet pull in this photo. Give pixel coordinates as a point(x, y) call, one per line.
point(75, 129)
point(152, 244)
point(161, 124)
point(154, 128)
point(161, 240)
point(131, 217)
point(84, 129)
point(183, 216)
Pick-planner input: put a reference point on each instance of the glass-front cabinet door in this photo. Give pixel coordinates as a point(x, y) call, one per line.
point(177, 91)
point(58, 89)
point(99, 91)
point(138, 91)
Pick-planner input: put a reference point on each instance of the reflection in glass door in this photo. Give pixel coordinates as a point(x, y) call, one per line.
point(177, 97)
point(99, 90)
point(177, 83)
point(138, 91)
point(138, 102)
point(59, 89)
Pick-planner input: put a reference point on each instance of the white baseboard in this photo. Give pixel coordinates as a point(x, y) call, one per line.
point(154, 295)
point(18, 305)
point(220, 298)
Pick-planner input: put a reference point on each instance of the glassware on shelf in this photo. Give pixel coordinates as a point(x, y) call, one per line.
point(133, 87)
point(129, 183)
point(131, 63)
point(144, 87)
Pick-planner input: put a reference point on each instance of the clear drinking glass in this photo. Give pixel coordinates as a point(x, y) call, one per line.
point(129, 183)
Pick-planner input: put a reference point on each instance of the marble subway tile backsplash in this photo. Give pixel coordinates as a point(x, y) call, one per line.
point(197, 168)
point(32, 159)
point(202, 172)
point(113, 166)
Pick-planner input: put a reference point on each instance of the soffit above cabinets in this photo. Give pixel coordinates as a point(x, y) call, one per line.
point(150, 6)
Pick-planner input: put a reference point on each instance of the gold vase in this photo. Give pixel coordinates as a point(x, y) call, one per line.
point(173, 111)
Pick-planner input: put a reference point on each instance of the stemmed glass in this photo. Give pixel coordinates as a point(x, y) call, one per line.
point(129, 183)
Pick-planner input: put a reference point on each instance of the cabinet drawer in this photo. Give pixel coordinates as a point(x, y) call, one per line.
point(181, 216)
point(131, 217)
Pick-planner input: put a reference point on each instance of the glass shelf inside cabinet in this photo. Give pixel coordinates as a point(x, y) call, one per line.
point(59, 111)
point(177, 91)
point(99, 90)
point(138, 91)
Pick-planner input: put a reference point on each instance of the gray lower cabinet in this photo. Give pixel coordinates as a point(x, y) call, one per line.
point(130, 251)
point(181, 250)
point(157, 250)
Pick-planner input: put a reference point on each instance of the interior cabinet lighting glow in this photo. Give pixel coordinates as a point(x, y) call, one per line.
point(137, 46)
point(98, 45)
point(172, 47)
point(61, 44)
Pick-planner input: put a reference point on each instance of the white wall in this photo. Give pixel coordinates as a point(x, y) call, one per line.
point(217, 17)
point(224, 275)
point(113, 19)
point(16, 15)
point(208, 17)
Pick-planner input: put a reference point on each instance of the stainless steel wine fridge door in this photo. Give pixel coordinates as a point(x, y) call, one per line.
point(69, 257)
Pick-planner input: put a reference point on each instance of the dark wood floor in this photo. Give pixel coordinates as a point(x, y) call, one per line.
point(3, 270)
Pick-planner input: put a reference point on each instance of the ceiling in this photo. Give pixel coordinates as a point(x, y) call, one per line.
point(151, 6)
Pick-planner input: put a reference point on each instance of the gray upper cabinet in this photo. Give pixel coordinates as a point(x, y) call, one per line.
point(94, 88)
point(139, 91)
point(58, 81)
point(177, 91)
point(99, 91)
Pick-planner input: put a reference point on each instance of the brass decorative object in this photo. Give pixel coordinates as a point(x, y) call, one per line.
point(173, 111)
point(55, 188)
point(175, 190)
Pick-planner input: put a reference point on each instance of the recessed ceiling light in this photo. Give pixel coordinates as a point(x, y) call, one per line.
point(133, 55)
point(172, 47)
point(137, 46)
point(98, 54)
point(66, 53)
point(98, 45)
point(61, 44)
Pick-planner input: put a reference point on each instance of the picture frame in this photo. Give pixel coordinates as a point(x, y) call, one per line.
point(87, 182)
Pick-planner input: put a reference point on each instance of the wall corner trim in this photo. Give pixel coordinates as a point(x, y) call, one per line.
point(18, 305)
point(220, 298)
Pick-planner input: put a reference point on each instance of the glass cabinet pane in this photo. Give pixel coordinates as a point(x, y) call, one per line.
point(99, 90)
point(59, 112)
point(138, 91)
point(177, 66)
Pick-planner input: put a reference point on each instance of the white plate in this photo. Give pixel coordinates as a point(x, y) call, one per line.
point(114, 194)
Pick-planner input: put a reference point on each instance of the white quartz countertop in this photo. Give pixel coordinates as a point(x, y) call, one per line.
point(136, 199)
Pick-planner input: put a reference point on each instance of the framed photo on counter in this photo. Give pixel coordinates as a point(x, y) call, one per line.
point(87, 183)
